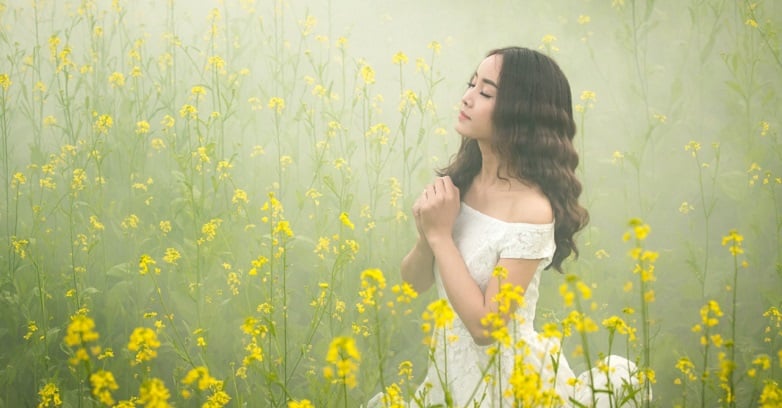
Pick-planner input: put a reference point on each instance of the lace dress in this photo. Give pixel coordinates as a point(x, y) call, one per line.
point(467, 371)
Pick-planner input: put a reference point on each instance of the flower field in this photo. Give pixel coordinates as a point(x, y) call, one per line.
point(206, 203)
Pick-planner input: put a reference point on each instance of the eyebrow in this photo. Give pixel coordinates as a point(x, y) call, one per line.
point(486, 81)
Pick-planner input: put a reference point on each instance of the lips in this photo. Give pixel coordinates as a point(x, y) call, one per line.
point(463, 116)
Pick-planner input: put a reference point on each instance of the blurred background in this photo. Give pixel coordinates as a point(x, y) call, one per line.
point(207, 181)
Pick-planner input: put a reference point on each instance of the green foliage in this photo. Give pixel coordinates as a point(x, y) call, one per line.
point(195, 199)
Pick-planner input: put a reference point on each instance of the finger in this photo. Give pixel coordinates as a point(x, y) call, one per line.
point(443, 187)
point(429, 191)
point(448, 186)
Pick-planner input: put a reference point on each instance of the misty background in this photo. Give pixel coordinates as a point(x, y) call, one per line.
point(678, 107)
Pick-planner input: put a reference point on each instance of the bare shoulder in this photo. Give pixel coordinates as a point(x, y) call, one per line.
point(520, 203)
point(530, 206)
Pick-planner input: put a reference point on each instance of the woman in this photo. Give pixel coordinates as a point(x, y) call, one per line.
point(507, 202)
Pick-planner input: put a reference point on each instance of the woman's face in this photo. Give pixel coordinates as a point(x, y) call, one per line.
point(475, 116)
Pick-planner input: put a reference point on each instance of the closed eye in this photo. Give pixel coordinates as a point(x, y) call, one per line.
point(484, 94)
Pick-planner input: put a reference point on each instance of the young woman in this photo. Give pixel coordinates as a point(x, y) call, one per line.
point(508, 199)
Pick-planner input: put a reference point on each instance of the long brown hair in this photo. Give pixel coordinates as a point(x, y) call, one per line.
point(534, 130)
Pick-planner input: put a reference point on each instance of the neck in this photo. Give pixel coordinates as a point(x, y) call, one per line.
point(490, 164)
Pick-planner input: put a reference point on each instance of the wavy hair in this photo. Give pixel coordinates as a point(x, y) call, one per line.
point(534, 130)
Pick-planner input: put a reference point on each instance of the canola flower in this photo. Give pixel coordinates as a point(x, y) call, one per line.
point(399, 58)
point(526, 386)
point(5, 81)
point(154, 393)
point(304, 403)
point(343, 359)
point(81, 330)
point(103, 383)
point(103, 123)
point(733, 241)
point(145, 343)
point(49, 396)
point(200, 379)
point(277, 104)
point(372, 284)
point(438, 313)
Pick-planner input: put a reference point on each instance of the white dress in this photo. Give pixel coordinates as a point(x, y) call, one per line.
point(473, 379)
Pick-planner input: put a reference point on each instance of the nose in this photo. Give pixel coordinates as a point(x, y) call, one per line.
point(467, 97)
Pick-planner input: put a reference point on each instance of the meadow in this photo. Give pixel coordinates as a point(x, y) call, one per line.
point(206, 203)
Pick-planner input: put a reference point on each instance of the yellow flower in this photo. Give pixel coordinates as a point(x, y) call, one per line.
point(5, 81)
point(305, 403)
point(343, 359)
point(209, 229)
point(168, 122)
point(188, 111)
point(201, 378)
point(145, 343)
point(771, 396)
point(257, 264)
point(153, 393)
point(734, 239)
point(283, 227)
point(764, 128)
point(142, 127)
point(435, 47)
point(144, 263)
point(171, 256)
point(342, 43)
point(277, 103)
point(547, 42)
point(710, 313)
point(616, 324)
point(583, 19)
point(239, 196)
point(685, 207)
point(198, 92)
point(215, 62)
point(440, 313)
point(343, 217)
point(103, 123)
point(589, 96)
point(103, 383)
point(567, 295)
point(31, 329)
point(117, 80)
point(693, 147)
point(307, 25)
point(20, 246)
point(367, 74)
point(80, 330)
point(580, 321)
point(50, 396)
point(399, 58)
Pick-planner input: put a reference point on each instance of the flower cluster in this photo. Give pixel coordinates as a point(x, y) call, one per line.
point(343, 360)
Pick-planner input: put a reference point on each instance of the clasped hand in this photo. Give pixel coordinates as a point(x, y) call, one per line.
point(435, 210)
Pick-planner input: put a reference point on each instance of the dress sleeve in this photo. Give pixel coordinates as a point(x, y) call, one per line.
point(529, 241)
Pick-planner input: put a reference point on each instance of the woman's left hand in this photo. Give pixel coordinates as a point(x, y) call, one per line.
point(437, 209)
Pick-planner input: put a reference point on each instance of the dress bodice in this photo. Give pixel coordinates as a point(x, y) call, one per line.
point(483, 240)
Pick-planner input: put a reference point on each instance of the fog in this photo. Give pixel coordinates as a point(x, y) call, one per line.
point(222, 172)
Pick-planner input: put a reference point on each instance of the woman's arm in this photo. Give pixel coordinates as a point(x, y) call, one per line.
point(417, 266)
point(469, 302)
point(439, 209)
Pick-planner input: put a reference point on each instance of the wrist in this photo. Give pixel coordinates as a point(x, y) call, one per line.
point(436, 241)
point(422, 246)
